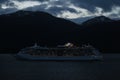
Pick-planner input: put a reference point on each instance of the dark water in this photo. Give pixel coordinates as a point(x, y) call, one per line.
point(12, 69)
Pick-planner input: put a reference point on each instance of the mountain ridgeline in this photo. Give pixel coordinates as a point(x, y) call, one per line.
point(24, 28)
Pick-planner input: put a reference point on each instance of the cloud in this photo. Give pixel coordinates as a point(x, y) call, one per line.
point(90, 4)
point(114, 13)
point(69, 9)
point(27, 4)
point(83, 12)
point(19, 4)
point(80, 12)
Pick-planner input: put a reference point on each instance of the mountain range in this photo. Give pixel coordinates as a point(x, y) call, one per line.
point(24, 28)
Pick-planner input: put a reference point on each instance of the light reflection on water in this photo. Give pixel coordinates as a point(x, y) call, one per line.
point(12, 69)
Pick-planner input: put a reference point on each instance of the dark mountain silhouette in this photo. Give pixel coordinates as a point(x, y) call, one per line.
point(24, 28)
point(103, 32)
point(97, 20)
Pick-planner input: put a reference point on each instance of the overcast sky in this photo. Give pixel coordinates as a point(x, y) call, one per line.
point(69, 9)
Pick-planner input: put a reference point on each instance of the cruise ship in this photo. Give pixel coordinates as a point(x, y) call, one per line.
point(62, 52)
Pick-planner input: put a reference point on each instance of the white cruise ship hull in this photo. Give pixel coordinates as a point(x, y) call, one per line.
point(30, 57)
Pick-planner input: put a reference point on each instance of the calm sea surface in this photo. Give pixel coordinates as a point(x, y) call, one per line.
point(12, 69)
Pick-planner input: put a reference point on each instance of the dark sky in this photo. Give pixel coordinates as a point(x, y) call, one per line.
point(68, 9)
